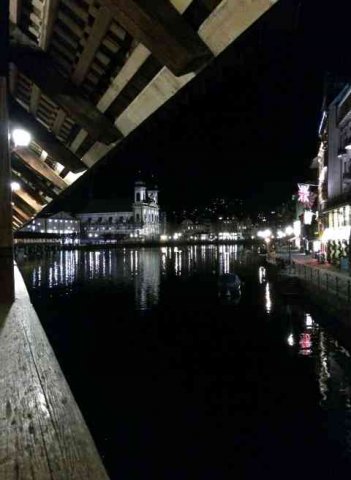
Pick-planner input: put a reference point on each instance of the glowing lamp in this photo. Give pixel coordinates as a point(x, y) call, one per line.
point(348, 147)
point(21, 138)
point(289, 230)
point(15, 186)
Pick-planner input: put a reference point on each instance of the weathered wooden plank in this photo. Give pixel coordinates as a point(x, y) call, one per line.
point(160, 27)
point(40, 167)
point(49, 14)
point(59, 121)
point(136, 59)
point(229, 20)
point(28, 199)
point(43, 435)
point(37, 66)
point(45, 139)
point(15, 10)
point(20, 213)
point(100, 28)
point(34, 100)
point(222, 27)
point(129, 69)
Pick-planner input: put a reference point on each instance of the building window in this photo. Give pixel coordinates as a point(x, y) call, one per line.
point(110, 220)
point(138, 197)
point(137, 217)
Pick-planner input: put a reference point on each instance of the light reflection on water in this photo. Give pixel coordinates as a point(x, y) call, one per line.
point(143, 270)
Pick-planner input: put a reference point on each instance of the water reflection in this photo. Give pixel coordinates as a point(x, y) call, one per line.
point(314, 359)
point(268, 298)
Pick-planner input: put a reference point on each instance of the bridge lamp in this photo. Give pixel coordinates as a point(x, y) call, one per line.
point(21, 138)
point(289, 230)
point(15, 186)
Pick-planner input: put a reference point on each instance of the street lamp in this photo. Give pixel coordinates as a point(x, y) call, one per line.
point(21, 138)
point(15, 186)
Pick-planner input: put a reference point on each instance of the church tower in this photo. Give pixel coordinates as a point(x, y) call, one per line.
point(140, 192)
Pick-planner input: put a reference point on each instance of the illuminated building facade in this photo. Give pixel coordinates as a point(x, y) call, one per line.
point(334, 183)
point(121, 218)
point(62, 224)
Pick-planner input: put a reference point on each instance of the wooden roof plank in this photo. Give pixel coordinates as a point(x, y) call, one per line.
point(40, 167)
point(100, 28)
point(28, 199)
point(49, 14)
point(45, 139)
point(59, 121)
point(161, 28)
point(20, 213)
point(39, 68)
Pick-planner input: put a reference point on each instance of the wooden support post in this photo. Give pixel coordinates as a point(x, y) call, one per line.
point(6, 236)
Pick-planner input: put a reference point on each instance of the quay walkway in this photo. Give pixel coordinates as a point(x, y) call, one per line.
point(324, 277)
point(43, 434)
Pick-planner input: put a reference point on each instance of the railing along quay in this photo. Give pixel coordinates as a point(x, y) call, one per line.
point(332, 282)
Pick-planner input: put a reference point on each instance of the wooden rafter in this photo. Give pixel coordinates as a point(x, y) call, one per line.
point(45, 139)
point(20, 213)
point(49, 13)
point(59, 121)
point(39, 68)
point(15, 10)
point(99, 29)
point(29, 200)
point(160, 27)
point(40, 167)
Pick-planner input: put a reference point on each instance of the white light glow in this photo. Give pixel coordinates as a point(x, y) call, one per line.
point(309, 321)
point(15, 186)
point(291, 340)
point(297, 228)
point(21, 138)
point(289, 230)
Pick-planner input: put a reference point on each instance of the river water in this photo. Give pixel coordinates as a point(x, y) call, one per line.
point(178, 382)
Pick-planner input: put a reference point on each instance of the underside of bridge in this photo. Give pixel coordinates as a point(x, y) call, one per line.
point(83, 74)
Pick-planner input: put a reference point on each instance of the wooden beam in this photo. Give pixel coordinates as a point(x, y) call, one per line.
point(28, 199)
point(31, 177)
point(136, 59)
point(99, 29)
point(23, 206)
point(129, 69)
point(160, 27)
point(34, 100)
point(18, 222)
point(49, 14)
point(226, 23)
point(40, 167)
point(32, 188)
point(15, 10)
point(59, 121)
point(45, 139)
point(20, 213)
point(39, 68)
point(229, 20)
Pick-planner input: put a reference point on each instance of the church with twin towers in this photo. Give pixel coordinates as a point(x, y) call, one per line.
point(140, 219)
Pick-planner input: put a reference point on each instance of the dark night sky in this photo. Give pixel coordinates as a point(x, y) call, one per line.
point(247, 126)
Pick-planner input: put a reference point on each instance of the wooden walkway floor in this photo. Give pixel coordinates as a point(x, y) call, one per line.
point(42, 432)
